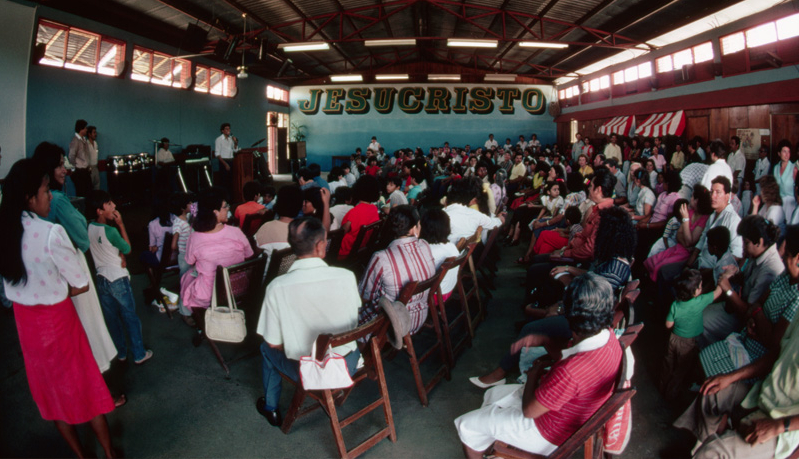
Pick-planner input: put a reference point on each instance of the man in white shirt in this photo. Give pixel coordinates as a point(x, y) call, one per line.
point(93, 150)
point(508, 146)
point(577, 147)
point(294, 313)
point(612, 150)
point(762, 166)
point(224, 147)
point(374, 146)
point(521, 143)
point(79, 157)
point(724, 215)
point(718, 167)
point(491, 143)
point(737, 162)
point(164, 156)
point(463, 220)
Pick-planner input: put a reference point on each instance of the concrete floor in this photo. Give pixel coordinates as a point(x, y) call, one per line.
point(181, 405)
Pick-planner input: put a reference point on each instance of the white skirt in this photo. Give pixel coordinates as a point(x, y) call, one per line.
point(91, 317)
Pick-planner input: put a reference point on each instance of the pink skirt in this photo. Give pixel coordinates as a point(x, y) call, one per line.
point(674, 254)
point(63, 376)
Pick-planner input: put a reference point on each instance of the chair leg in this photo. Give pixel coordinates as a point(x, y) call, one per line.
point(294, 409)
point(334, 424)
point(417, 374)
point(440, 343)
point(219, 356)
point(383, 388)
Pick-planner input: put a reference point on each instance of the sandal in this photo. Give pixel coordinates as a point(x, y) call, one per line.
point(120, 401)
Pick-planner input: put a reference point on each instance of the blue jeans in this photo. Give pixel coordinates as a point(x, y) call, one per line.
point(276, 362)
point(119, 311)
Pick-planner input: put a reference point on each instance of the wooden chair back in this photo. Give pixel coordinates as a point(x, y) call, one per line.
point(279, 263)
point(365, 234)
point(448, 326)
point(250, 228)
point(376, 330)
point(334, 239)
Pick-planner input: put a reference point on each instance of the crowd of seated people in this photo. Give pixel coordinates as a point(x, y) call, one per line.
point(721, 264)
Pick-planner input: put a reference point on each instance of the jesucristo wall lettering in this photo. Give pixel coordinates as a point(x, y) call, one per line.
point(433, 100)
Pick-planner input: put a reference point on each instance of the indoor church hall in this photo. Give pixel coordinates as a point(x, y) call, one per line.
point(410, 228)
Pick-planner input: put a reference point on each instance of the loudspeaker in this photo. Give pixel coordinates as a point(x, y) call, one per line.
point(194, 39)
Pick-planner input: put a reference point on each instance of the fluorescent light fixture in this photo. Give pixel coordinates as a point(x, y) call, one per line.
point(399, 76)
point(471, 43)
point(344, 78)
point(304, 46)
point(443, 77)
point(391, 42)
point(542, 44)
point(506, 77)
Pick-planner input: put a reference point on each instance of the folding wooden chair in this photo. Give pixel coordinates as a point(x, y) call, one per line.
point(248, 224)
point(463, 316)
point(372, 369)
point(623, 315)
point(245, 289)
point(468, 287)
point(410, 290)
point(485, 264)
point(368, 234)
point(591, 434)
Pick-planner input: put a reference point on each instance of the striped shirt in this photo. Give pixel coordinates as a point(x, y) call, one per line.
point(183, 229)
point(578, 385)
point(404, 260)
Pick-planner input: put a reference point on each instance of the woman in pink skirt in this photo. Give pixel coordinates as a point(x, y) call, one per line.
point(41, 272)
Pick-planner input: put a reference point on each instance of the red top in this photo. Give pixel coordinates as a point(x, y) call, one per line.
point(582, 245)
point(575, 388)
point(247, 208)
point(362, 214)
point(373, 170)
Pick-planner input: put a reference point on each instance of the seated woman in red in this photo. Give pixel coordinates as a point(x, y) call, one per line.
point(540, 415)
point(365, 192)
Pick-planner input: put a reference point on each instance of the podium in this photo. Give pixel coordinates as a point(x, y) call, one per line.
point(244, 170)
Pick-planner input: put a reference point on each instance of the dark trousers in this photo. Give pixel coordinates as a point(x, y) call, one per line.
point(82, 178)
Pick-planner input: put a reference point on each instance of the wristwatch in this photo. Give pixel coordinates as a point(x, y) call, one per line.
point(728, 292)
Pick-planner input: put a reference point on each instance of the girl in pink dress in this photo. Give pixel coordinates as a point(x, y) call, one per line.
point(212, 244)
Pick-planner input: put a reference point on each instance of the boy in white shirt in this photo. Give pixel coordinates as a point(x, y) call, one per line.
point(113, 280)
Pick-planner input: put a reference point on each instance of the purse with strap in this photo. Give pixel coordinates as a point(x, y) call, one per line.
point(225, 323)
point(329, 373)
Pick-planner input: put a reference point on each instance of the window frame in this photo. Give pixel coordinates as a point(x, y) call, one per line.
point(97, 41)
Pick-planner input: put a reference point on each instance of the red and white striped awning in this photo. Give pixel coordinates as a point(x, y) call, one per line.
point(660, 124)
point(621, 125)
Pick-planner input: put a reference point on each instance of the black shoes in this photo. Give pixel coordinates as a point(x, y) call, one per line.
point(273, 417)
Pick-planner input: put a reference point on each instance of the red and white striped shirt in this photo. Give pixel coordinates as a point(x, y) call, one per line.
point(404, 260)
point(578, 385)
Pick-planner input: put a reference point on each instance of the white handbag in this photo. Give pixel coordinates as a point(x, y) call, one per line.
point(225, 323)
point(329, 373)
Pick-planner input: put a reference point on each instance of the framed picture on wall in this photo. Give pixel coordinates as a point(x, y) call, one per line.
point(750, 142)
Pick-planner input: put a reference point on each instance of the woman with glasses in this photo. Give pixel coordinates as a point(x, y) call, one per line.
point(212, 244)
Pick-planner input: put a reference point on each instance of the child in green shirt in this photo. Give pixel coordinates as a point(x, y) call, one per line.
point(685, 322)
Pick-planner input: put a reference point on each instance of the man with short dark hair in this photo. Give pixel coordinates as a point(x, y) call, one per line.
point(294, 313)
point(718, 166)
point(612, 150)
point(737, 162)
point(491, 143)
point(224, 148)
point(79, 157)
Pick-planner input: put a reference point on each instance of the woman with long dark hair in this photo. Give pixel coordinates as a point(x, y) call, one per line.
point(51, 158)
point(42, 271)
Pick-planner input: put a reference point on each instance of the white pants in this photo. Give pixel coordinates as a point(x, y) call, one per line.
point(501, 418)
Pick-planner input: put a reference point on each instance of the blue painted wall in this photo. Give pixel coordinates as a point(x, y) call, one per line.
point(331, 135)
point(128, 113)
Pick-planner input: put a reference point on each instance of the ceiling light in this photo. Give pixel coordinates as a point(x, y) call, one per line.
point(391, 42)
point(343, 78)
point(506, 77)
point(444, 77)
point(542, 44)
point(400, 76)
point(304, 46)
point(471, 43)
